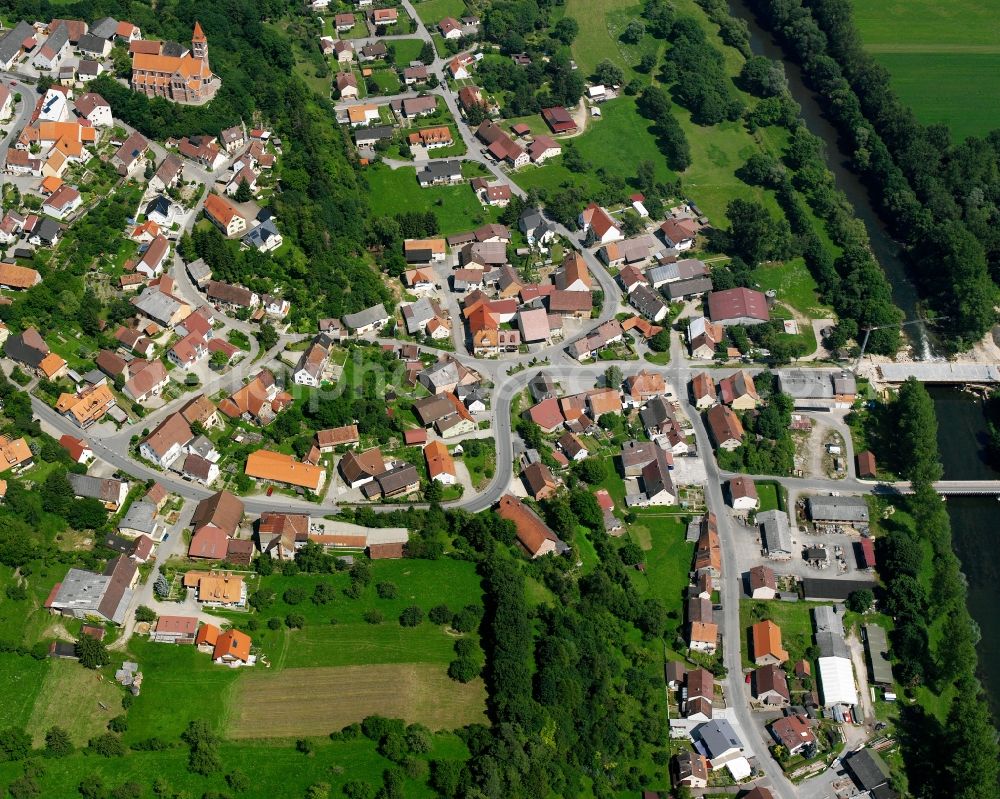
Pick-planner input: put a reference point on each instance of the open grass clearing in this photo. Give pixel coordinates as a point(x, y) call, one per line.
point(21, 680)
point(431, 12)
point(601, 25)
point(396, 191)
point(80, 700)
point(407, 50)
point(317, 701)
point(668, 559)
point(794, 285)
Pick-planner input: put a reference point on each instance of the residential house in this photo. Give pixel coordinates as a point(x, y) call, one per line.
point(690, 770)
point(574, 448)
point(795, 733)
point(174, 629)
point(147, 382)
point(725, 426)
point(440, 464)
point(539, 481)
point(398, 481)
point(708, 549)
point(765, 640)
point(719, 742)
point(79, 450)
point(167, 441)
point(704, 338)
point(328, 440)
point(703, 391)
point(222, 510)
point(95, 109)
point(598, 225)
point(679, 233)
point(311, 366)
point(359, 469)
point(109, 492)
point(738, 391)
point(130, 156)
point(542, 148)
point(224, 215)
point(770, 686)
point(762, 583)
point(87, 407)
point(648, 302)
point(742, 493)
point(259, 400)
point(15, 455)
point(367, 321)
point(532, 533)
point(62, 202)
point(643, 386)
point(703, 637)
point(27, 348)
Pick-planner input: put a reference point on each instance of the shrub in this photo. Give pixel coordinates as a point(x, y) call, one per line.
point(440, 614)
point(294, 595)
point(463, 670)
point(411, 617)
point(373, 617)
point(387, 590)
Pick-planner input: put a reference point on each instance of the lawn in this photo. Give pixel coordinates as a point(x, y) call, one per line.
point(407, 50)
point(767, 493)
point(618, 142)
point(396, 191)
point(21, 680)
point(944, 58)
point(794, 285)
point(80, 700)
point(317, 701)
point(668, 559)
point(178, 680)
point(433, 11)
point(386, 80)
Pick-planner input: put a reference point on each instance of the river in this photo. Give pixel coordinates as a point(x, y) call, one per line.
point(886, 250)
point(961, 423)
point(962, 435)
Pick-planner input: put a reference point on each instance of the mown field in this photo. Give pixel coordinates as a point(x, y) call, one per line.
point(75, 698)
point(316, 701)
point(944, 58)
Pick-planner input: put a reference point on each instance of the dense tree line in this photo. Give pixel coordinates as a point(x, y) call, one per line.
point(936, 198)
point(968, 766)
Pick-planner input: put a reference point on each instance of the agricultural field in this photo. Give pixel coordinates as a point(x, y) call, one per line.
point(316, 701)
point(944, 58)
point(396, 191)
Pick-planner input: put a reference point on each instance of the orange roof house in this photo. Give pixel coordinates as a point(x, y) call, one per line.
point(533, 534)
point(52, 366)
point(766, 640)
point(280, 468)
point(14, 454)
point(440, 464)
point(221, 589)
point(232, 646)
point(86, 408)
point(208, 635)
point(13, 276)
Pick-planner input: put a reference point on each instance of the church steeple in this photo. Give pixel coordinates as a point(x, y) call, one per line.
point(199, 43)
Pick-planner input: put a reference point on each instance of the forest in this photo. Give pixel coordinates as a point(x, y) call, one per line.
point(937, 197)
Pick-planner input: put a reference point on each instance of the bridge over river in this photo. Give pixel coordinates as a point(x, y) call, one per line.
point(941, 372)
point(947, 488)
